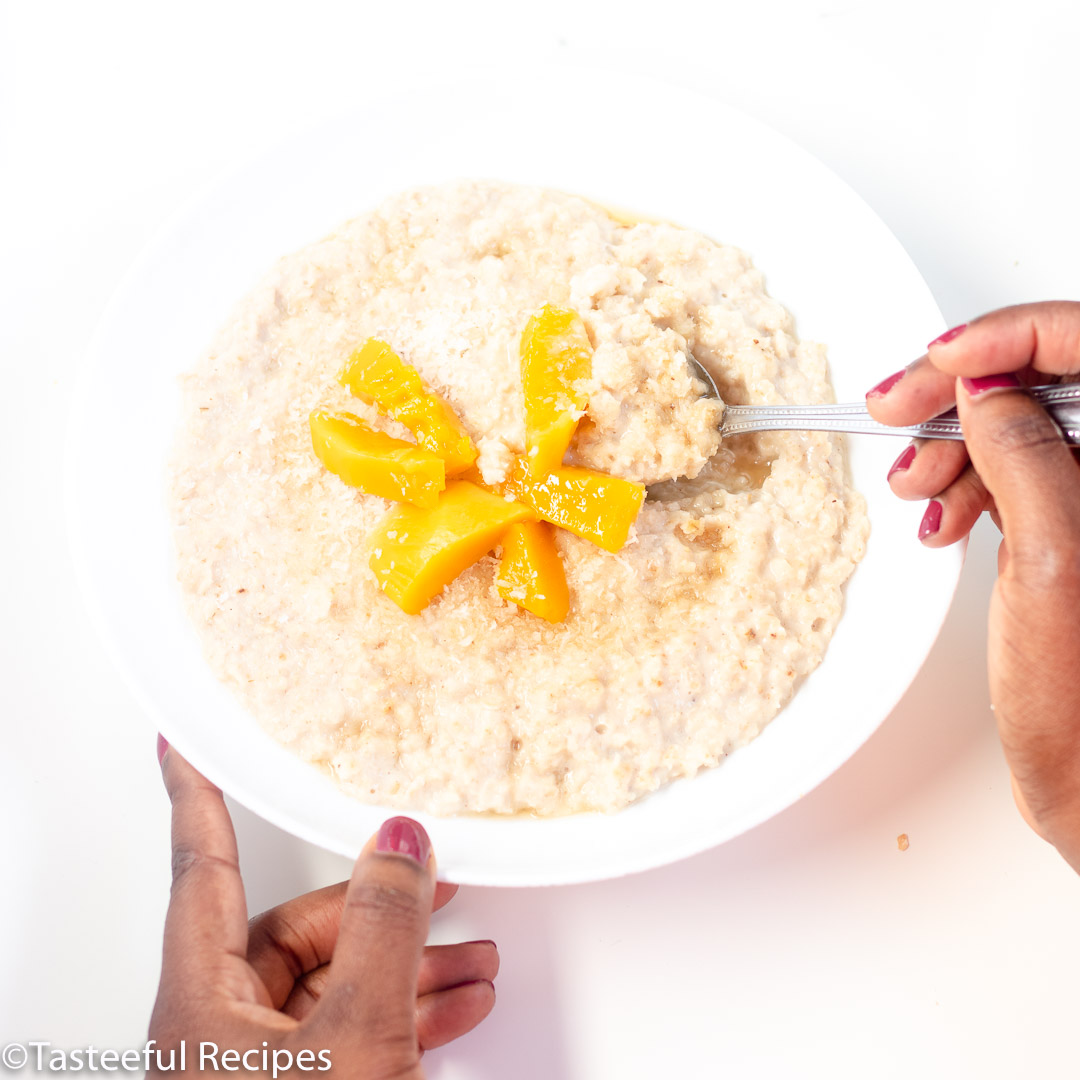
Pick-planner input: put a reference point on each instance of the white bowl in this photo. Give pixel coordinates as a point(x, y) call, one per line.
point(666, 153)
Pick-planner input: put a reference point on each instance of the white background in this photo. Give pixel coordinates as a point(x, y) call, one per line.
point(809, 947)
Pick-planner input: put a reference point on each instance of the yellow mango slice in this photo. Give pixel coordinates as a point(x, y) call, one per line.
point(475, 476)
point(378, 375)
point(556, 362)
point(531, 573)
point(592, 505)
point(415, 553)
point(374, 461)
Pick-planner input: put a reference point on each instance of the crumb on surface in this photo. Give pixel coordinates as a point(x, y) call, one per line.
point(902, 841)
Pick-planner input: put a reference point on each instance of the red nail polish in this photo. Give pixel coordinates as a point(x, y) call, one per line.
point(886, 385)
point(403, 836)
point(1006, 381)
point(162, 746)
point(931, 520)
point(903, 462)
point(949, 335)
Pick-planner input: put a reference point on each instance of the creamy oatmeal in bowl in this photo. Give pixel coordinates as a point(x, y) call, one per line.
point(827, 257)
point(677, 648)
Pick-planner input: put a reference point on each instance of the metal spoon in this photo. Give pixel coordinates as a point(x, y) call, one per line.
point(1061, 402)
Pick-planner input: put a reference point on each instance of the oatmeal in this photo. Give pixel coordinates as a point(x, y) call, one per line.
point(676, 650)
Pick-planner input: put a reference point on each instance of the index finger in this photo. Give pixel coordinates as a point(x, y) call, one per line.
point(911, 396)
point(1044, 336)
point(207, 914)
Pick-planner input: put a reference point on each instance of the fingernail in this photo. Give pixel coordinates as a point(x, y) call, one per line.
point(975, 387)
point(482, 941)
point(886, 385)
point(949, 335)
point(403, 836)
point(162, 746)
point(931, 520)
point(903, 462)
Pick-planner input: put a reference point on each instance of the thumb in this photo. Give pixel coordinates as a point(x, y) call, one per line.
point(1022, 458)
point(370, 995)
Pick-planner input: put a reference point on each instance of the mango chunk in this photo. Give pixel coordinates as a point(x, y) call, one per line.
point(556, 362)
point(415, 553)
point(376, 374)
point(374, 461)
point(591, 504)
point(531, 573)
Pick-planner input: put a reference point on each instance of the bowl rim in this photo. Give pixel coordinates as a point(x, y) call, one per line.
point(260, 801)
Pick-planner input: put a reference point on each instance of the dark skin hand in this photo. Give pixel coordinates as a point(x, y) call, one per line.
point(1014, 465)
point(343, 969)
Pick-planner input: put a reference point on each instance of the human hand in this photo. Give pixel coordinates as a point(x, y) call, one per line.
point(1014, 464)
point(342, 970)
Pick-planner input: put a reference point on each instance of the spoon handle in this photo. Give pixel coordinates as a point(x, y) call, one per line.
point(1061, 402)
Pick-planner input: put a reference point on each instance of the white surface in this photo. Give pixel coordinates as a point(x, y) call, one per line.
point(827, 257)
point(809, 946)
